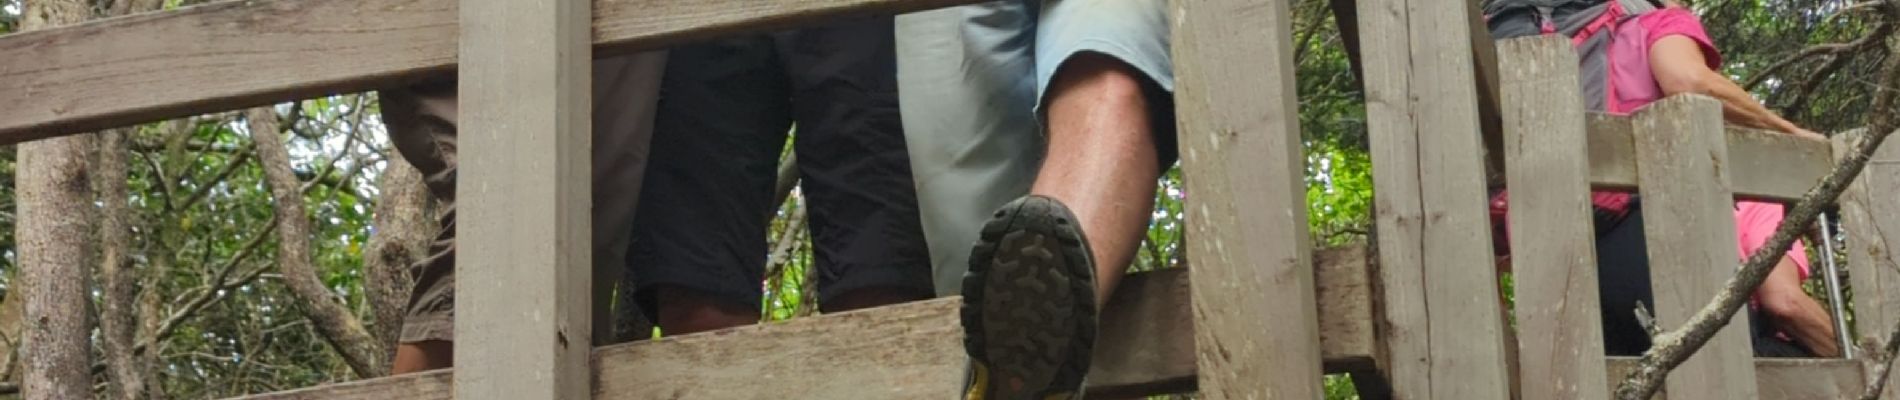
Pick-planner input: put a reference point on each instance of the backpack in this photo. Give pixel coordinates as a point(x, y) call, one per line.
point(1588, 23)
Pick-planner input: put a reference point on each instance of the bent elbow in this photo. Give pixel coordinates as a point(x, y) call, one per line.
point(1686, 85)
point(1784, 306)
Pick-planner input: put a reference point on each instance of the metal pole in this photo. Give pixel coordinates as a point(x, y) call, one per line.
point(1833, 275)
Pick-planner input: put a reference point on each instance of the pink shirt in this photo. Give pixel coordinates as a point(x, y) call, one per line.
point(1633, 85)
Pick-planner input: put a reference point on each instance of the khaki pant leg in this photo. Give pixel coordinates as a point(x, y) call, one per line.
point(422, 126)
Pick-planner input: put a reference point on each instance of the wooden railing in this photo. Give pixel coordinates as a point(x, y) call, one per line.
point(1416, 316)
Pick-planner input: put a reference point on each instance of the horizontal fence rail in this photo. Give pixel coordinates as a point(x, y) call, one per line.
point(914, 351)
point(1762, 164)
point(235, 54)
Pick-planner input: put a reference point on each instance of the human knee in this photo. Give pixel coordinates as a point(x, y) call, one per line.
point(684, 310)
point(1103, 77)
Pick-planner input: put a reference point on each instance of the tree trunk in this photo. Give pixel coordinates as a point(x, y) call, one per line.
point(404, 229)
point(118, 318)
point(54, 233)
point(344, 332)
point(11, 309)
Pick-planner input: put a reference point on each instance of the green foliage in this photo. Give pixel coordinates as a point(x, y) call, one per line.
point(9, 16)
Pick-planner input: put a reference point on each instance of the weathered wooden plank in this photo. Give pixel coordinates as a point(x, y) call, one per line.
point(915, 350)
point(1256, 328)
point(1682, 167)
point(1446, 339)
point(1397, 212)
point(524, 285)
point(1786, 378)
point(909, 351)
point(1554, 259)
point(1484, 63)
point(1870, 215)
point(235, 54)
point(1149, 351)
point(1765, 165)
point(432, 385)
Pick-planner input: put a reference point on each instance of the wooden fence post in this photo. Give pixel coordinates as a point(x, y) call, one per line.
point(1689, 224)
point(523, 326)
point(1560, 331)
point(1444, 335)
point(1256, 324)
point(1870, 214)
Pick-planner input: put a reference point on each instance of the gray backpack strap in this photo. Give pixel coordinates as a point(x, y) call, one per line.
point(1636, 7)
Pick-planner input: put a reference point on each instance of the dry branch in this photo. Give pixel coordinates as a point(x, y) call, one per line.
point(1885, 366)
point(344, 332)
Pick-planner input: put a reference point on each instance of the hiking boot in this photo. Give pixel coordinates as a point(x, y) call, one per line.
point(1029, 304)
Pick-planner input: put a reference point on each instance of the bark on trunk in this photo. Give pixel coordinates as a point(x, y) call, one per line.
point(54, 232)
point(11, 309)
point(404, 229)
point(118, 318)
point(343, 331)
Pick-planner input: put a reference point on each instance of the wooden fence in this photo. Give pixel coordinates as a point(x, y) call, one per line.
point(1415, 316)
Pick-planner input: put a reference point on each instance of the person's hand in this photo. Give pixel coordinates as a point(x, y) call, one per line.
point(1808, 134)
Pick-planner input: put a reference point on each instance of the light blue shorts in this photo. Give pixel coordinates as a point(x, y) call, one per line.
point(970, 82)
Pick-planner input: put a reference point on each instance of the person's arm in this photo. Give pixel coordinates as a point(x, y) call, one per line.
point(1680, 67)
point(1796, 314)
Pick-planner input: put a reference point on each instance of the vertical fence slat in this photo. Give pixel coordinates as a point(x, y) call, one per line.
point(1397, 212)
point(1689, 225)
point(523, 313)
point(1547, 166)
point(1256, 328)
point(1870, 215)
point(1446, 337)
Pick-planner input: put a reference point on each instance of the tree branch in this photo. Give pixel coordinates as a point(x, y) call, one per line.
point(1885, 367)
point(1880, 32)
point(219, 282)
point(343, 331)
point(782, 251)
point(204, 188)
point(118, 320)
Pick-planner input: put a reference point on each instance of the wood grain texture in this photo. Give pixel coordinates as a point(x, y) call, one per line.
point(1255, 324)
point(433, 385)
point(1397, 212)
point(915, 350)
point(1445, 338)
point(910, 351)
point(524, 284)
point(1559, 325)
point(1785, 378)
point(1148, 352)
point(1484, 62)
point(235, 54)
point(1870, 216)
point(1764, 165)
point(1689, 225)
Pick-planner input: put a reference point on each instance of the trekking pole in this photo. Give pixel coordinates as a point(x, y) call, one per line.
point(1833, 280)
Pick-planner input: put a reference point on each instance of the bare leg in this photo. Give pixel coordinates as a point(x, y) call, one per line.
point(685, 311)
point(423, 356)
point(1101, 159)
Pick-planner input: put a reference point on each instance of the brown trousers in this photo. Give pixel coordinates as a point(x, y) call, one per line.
point(422, 125)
